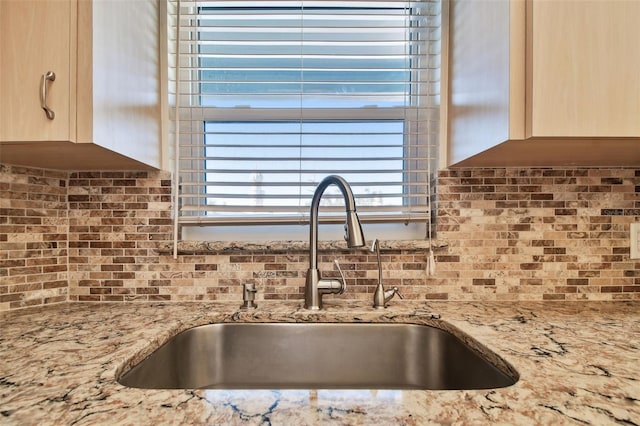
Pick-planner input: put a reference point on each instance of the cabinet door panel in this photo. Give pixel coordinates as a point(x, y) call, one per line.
point(585, 62)
point(36, 38)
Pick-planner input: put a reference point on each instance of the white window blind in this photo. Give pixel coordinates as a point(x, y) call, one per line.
point(273, 96)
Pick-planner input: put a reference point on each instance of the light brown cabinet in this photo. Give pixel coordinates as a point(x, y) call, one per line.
point(35, 39)
point(544, 82)
point(106, 92)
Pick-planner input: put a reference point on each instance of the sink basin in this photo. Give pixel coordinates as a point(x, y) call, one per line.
point(317, 356)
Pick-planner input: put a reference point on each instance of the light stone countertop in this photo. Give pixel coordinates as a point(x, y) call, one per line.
point(205, 247)
point(579, 363)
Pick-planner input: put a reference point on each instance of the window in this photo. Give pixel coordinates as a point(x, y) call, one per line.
point(274, 96)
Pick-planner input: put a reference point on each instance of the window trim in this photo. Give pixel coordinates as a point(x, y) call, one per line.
point(249, 114)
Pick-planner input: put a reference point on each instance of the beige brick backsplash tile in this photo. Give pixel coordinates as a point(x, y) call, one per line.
point(510, 234)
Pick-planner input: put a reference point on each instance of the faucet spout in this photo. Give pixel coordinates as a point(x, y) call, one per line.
point(315, 286)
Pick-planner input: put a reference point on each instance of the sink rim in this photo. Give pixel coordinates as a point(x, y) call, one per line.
point(483, 351)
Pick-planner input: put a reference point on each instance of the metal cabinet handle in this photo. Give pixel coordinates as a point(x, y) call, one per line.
point(51, 76)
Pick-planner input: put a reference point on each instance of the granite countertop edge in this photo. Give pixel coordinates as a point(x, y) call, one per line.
point(218, 247)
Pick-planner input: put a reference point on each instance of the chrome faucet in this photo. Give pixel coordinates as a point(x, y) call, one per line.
point(315, 286)
point(381, 296)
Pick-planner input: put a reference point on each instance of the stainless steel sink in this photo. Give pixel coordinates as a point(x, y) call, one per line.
point(317, 356)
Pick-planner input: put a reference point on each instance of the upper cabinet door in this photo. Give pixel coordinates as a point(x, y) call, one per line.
point(585, 68)
point(36, 37)
point(544, 83)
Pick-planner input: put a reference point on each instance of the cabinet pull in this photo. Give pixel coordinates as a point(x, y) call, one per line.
point(51, 76)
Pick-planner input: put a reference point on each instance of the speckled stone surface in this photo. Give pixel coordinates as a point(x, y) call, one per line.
point(189, 247)
point(578, 364)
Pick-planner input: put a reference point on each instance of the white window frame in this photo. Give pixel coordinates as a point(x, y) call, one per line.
point(392, 230)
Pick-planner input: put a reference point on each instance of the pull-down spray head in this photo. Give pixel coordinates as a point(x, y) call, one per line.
point(353, 230)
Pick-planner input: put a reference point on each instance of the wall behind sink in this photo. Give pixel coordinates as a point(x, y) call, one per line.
point(33, 237)
point(508, 234)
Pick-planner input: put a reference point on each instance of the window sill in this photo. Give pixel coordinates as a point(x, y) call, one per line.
point(217, 247)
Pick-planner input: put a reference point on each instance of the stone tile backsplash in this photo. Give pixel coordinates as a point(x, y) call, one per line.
point(33, 237)
point(503, 234)
point(538, 234)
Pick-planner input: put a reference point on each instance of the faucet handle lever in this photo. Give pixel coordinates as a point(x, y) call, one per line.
point(396, 291)
point(344, 280)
